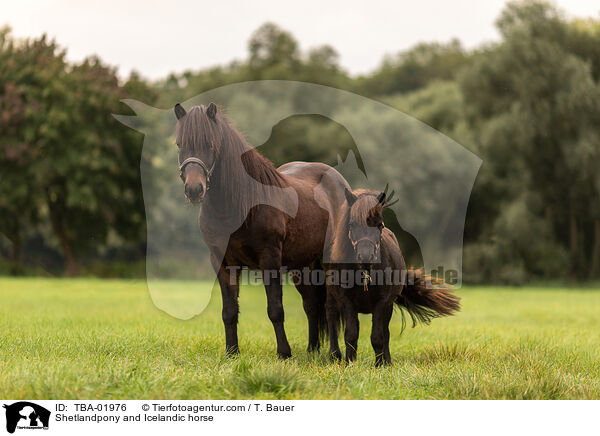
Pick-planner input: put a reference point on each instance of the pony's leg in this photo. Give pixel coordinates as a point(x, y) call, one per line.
point(276, 315)
point(333, 323)
point(229, 282)
point(380, 333)
point(351, 331)
point(313, 301)
point(271, 265)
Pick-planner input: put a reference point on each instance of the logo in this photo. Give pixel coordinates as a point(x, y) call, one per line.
point(26, 415)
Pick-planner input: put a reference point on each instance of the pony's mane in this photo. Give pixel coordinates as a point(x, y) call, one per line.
point(236, 160)
point(362, 208)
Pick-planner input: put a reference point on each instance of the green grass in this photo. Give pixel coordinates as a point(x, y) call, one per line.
point(104, 339)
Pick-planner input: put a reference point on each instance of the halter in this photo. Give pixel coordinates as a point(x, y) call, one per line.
point(367, 277)
point(364, 238)
point(207, 172)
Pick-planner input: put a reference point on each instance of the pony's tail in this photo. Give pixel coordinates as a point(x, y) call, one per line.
point(318, 303)
point(322, 317)
point(425, 298)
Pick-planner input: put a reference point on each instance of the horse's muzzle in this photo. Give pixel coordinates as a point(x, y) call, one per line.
point(195, 192)
point(366, 256)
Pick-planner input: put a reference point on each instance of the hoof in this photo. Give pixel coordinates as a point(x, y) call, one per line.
point(313, 349)
point(349, 359)
point(335, 355)
point(284, 352)
point(284, 356)
point(379, 362)
point(232, 351)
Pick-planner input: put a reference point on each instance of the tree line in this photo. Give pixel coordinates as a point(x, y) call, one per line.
point(528, 105)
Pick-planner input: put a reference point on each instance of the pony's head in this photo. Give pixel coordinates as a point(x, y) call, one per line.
point(200, 134)
point(364, 218)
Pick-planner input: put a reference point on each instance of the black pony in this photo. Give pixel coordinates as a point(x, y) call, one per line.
point(258, 216)
point(367, 252)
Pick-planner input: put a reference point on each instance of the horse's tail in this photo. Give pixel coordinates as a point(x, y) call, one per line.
point(425, 298)
point(322, 319)
point(315, 299)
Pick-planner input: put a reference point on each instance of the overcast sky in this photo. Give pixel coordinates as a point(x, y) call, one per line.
point(157, 37)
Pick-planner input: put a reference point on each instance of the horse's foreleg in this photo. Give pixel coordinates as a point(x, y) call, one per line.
point(380, 333)
point(270, 265)
point(351, 330)
point(228, 280)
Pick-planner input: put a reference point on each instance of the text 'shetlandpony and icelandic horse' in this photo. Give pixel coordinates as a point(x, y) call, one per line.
point(257, 216)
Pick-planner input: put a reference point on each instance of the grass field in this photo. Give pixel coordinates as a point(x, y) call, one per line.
point(103, 339)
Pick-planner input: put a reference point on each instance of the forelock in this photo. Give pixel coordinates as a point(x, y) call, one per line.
point(196, 130)
point(365, 206)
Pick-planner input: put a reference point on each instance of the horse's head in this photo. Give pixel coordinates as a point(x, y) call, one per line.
point(199, 136)
point(364, 217)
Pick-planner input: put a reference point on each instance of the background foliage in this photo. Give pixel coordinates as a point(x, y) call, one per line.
point(528, 105)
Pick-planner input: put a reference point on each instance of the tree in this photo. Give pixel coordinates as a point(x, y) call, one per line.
point(90, 173)
point(536, 106)
point(271, 47)
point(63, 157)
point(30, 76)
point(415, 68)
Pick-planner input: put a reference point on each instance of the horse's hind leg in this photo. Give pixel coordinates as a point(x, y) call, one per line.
point(380, 333)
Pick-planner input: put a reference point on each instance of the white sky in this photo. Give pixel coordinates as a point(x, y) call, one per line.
point(158, 37)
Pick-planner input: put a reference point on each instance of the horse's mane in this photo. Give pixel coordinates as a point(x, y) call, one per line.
point(236, 160)
point(364, 206)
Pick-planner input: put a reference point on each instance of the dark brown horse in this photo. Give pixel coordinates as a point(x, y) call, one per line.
point(365, 250)
point(254, 215)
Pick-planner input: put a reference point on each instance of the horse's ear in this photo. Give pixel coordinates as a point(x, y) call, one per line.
point(179, 111)
point(211, 110)
point(381, 198)
point(350, 197)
